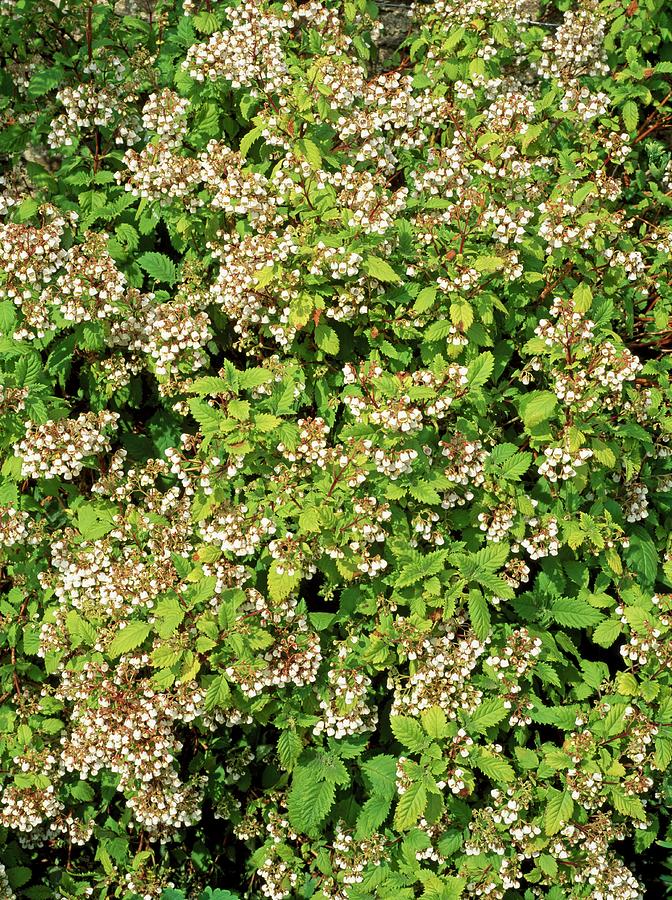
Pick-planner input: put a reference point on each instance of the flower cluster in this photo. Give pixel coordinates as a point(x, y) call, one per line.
point(64, 447)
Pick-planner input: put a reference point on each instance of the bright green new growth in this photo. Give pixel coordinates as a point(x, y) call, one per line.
point(335, 486)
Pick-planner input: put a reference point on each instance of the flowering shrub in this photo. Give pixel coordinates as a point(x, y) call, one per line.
point(335, 488)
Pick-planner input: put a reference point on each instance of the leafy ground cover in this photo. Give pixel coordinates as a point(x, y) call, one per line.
point(336, 463)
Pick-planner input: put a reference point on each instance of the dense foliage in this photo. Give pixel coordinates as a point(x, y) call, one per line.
point(335, 495)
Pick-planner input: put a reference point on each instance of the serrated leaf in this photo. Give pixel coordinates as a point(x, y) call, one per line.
point(537, 407)
point(170, 615)
point(494, 766)
point(479, 614)
point(424, 300)
point(607, 632)
point(309, 801)
point(80, 631)
point(462, 314)
point(480, 369)
point(372, 815)
point(489, 713)
point(265, 422)
point(94, 521)
point(327, 339)
point(559, 809)
point(310, 151)
point(424, 493)
point(127, 235)
point(663, 755)
point(627, 805)
point(379, 269)
point(248, 139)
point(422, 568)
point(630, 114)
point(209, 385)
point(281, 584)
point(252, 378)
point(410, 806)
point(158, 267)
point(289, 749)
point(218, 693)
point(574, 613)
point(516, 466)
point(44, 81)
point(488, 263)
point(205, 22)
point(239, 409)
point(128, 638)
point(380, 773)
point(437, 331)
point(209, 419)
point(409, 733)
point(548, 864)
point(309, 519)
point(434, 722)
point(642, 557)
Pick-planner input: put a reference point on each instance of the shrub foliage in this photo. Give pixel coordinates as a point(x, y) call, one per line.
point(335, 487)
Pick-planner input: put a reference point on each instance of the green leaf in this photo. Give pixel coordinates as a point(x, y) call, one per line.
point(434, 722)
point(248, 139)
point(80, 631)
point(537, 406)
point(309, 801)
point(437, 331)
point(18, 876)
point(410, 806)
point(266, 422)
point(424, 493)
point(209, 418)
point(170, 615)
point(94, 521)
point(516, 466)
point(607, 632)
point(480, 370)
point(559, 809)
point(309, 519)
point(422, 568)
point(479, 614)
point(630, 114)
point(489, 713)
point(206, 22)
point(252, 378)
point(327, 339)
point(462, 314)
point(44, 81)
point(209, 385)
point(311, 152)
point(627, 805)
point(409, 733)
point(158, 267)
point(574, 613)
point(289, 749)
point(239, 409)
point(379, 269)
point(642, 556)
point(494, 766)
point(424, 300)
point(548, 864)
point(380, 773)
point(128, 638)
point(488, 263)
point(372, 815)
point(281, 584)
point(218, 693)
